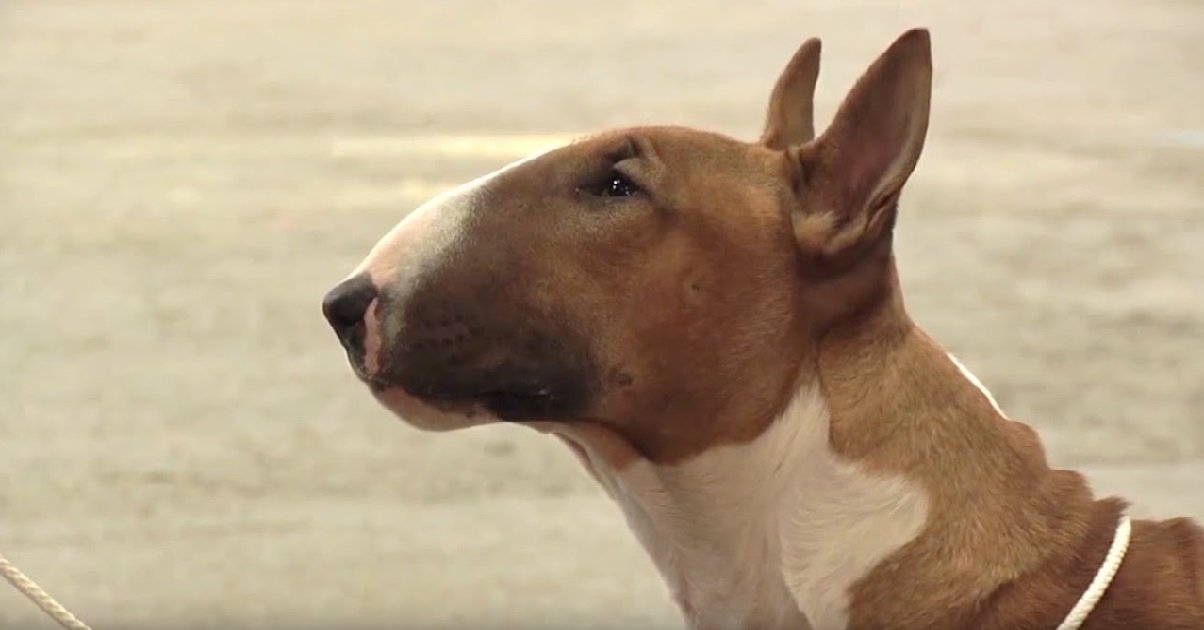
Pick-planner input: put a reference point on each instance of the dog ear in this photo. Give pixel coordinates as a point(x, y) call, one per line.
point(849, 179)
point(790, 118)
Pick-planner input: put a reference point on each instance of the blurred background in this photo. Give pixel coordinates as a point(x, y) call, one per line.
point(182, 443)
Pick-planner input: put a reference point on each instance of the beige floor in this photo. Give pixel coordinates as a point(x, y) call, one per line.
point(181, 444)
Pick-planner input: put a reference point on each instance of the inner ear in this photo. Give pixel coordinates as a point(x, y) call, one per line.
point(856, 170)
point(789, 120)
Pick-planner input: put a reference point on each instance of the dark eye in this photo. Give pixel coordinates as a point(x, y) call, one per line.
point(618, 185)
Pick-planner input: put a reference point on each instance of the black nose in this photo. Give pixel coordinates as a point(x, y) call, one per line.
point(346, 305)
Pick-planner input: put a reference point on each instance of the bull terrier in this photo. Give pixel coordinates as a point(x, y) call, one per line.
point(716, 330)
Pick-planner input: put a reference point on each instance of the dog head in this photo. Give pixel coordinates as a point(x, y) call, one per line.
point(667, 283)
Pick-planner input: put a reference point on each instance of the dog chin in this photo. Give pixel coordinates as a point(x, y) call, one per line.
point(432, 416)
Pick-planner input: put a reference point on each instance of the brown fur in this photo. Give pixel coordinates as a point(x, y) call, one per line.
point(789, 120)
point(683, 338)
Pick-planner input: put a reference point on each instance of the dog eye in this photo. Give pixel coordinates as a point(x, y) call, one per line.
point(618, 185)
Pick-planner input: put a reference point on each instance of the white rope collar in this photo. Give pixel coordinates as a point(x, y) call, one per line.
point(1103, 578)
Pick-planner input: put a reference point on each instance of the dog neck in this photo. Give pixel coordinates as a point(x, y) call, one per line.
point(760, 534)
point(899, 404)
point(888, 454)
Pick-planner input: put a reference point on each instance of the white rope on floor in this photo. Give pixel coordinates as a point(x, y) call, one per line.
point(30, 589)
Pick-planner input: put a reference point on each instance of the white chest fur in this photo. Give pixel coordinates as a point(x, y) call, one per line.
point(761, 534)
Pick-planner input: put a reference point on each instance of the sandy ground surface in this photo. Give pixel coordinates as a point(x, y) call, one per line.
point(181, 444)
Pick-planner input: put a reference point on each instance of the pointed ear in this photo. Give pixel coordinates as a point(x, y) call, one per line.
point(852, 175)
point(789, 121)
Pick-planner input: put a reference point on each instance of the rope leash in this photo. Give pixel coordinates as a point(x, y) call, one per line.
point(36, 595)
point(1103, 578)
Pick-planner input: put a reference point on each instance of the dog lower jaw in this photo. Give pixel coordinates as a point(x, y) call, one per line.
point(437, 416)
point(434, 407)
